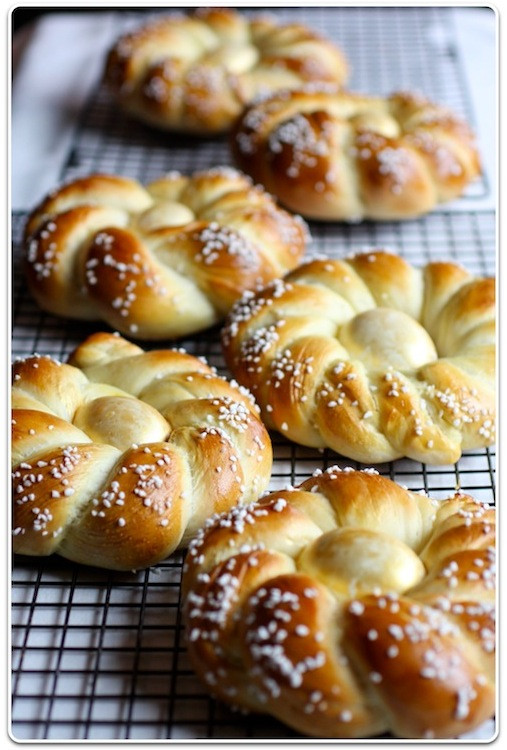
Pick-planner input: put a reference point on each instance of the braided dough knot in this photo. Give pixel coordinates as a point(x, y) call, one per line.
point(157, 262)
point(354, 606)
point(339, 156)
point(195, 73)
point(371, 357)
point(108, 479)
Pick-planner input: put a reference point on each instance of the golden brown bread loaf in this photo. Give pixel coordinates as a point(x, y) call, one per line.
point(106, 479)
point(195, 73)
point(157, 262)
point(371, 357)
point(338, 156)
point(348, 607)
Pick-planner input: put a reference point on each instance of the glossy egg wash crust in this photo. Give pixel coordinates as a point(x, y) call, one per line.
point(195, 73)
point(119, 458)
point(371, 357)
point(337, 156)
point(348, 607)
point(161, 261)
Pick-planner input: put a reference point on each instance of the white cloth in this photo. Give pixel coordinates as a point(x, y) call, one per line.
point(62, 62)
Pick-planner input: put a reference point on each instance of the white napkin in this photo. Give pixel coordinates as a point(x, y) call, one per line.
point(62, 62)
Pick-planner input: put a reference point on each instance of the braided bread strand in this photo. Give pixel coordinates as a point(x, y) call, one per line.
point(195, 73)
point(157, 262)
point(372, 357)
point(348, 607)
point(105, 479)
point(333, 155)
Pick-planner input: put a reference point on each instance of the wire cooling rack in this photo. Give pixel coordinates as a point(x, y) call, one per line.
point(100, 655)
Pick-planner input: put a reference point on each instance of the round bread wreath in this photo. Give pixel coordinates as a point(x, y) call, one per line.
point(371, 357)
point(107, 479)
point(348, 607)
point(195, 73)
point(160, 261)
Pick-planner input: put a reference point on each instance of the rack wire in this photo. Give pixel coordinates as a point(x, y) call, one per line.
point(100, 655)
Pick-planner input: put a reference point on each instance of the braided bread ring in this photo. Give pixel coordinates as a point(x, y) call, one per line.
point(157, 262)
point(195, 74)
point(338, 156)
point(105, 479)
point(348, 607)
point(372, 357)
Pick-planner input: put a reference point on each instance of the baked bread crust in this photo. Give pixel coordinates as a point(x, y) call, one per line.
point(338, 156)
point(195, 73)
point(355, 607)
point(106, 479)
point(157, 262)
point(371, 357)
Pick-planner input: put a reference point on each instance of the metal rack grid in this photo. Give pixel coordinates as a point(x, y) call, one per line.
point(101, 655)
